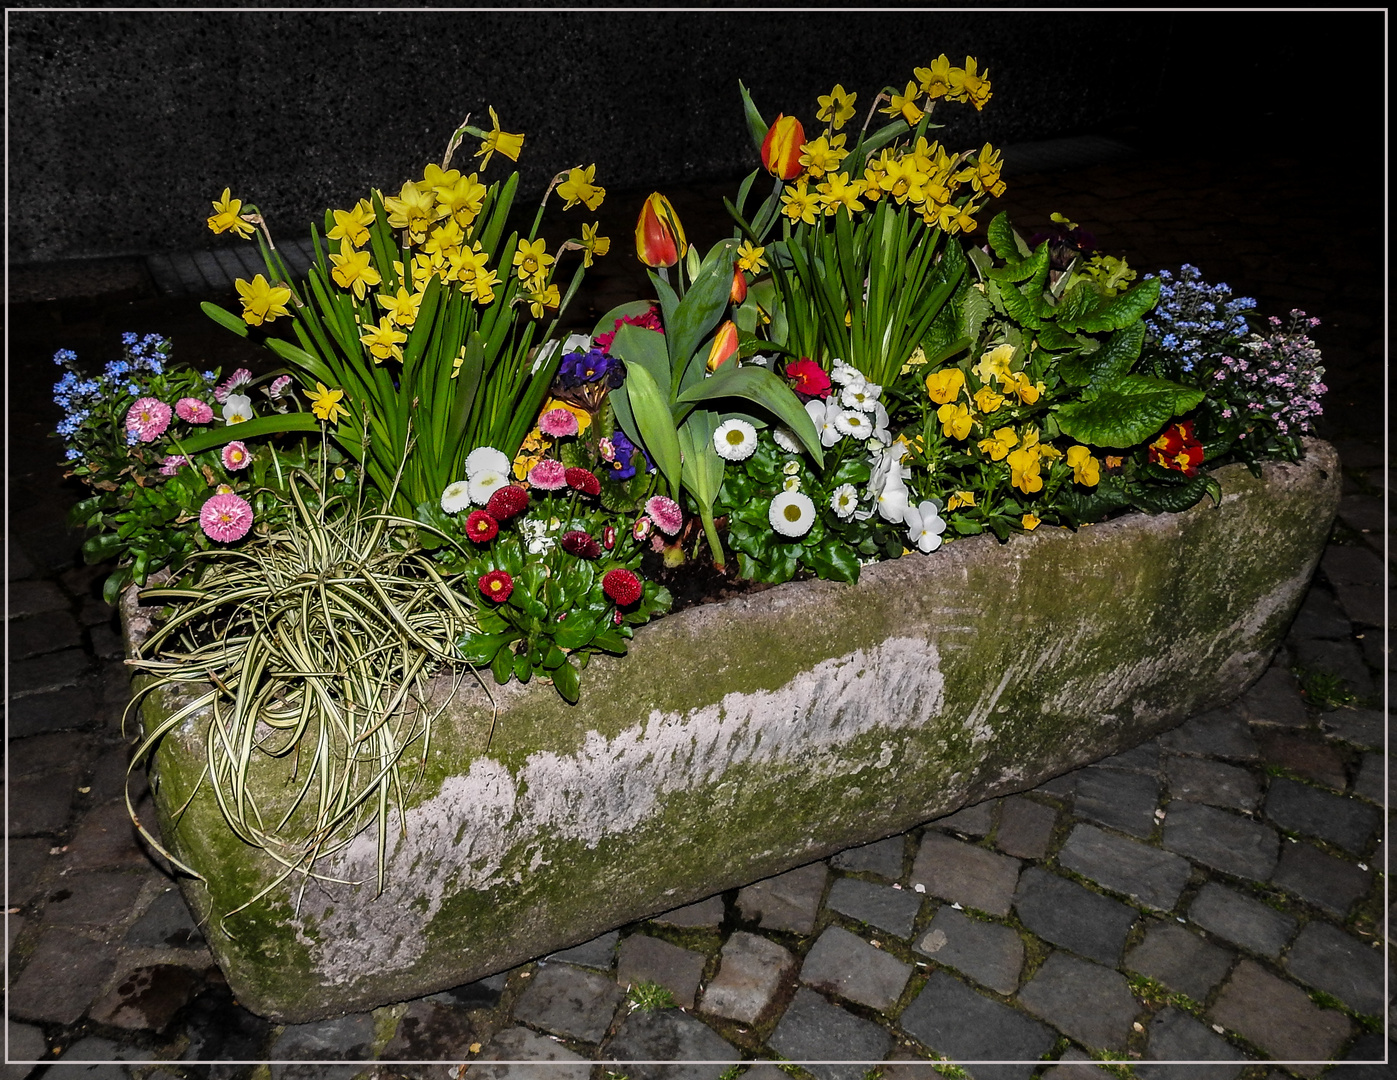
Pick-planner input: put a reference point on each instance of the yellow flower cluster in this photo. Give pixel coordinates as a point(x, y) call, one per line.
point(940, 80)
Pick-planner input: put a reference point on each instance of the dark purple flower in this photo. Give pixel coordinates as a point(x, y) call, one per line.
point(622, 468)
point(579, 367)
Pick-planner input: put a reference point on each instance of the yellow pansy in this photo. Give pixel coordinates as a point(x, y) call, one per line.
point(384, 341)
point(960, 499)
point(531, 258)
point(800, 204)
point(905, 105)
point(999, 444)
point(822, 155)
point(592, 244)
point(402, 308)
point(325, 403)
point(262, 301)
point(995, 364)
point(352, 226)
point(986, 400)
point(1024, 465)
point(956, 421)
point(530, 453)
point(1020, 384)
point(497, 140)
point(226, 216)
point(578, 188)
point(1031, 522)
point(1086, 470)
point(944, 385)
point(750, 258)
point(836, 107)
point(352, 271)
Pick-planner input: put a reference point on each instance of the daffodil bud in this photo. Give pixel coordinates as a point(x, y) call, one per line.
point(724, 346)
point(781, 147)
point(659, 238)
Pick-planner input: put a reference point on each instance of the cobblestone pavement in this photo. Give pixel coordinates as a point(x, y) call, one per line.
point(1214, 895)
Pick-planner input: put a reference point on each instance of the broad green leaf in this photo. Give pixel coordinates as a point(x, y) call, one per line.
point(1016, 305)
point(262, 425)
point(1054, 340)
point(307, 362)
point(653, 422)
point(567, 682)
point(225, 319)
point(833, 560)
point(98, 548)
point(575, 631)
point(1130, 306)
point(744, 189)
point(1004, 242)
point(1127, 412)
point(612, 642)
point(1175, 498)
point(703, 305)
point(1079, 303)
point(643, 348)
point(761, 387)
point(480, 650)
point(84, 512)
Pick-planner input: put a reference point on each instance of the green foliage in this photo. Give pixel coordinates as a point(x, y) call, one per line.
point(649, 997)
point(1325, 690)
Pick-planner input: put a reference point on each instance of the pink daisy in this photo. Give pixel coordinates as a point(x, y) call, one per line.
point(193, 411)
point(225, 518)
point(148, 417)
point(558, 423)
point(241, 377)
point(666, 514)
point(548, 475)
point(171, 464)
point(236, 456)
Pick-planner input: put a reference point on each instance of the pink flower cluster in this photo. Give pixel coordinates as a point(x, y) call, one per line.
point(1282, 380)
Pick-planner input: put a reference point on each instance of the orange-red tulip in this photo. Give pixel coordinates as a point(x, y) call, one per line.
point(724, 346)
point(781, 147)
point(738, 292)
point(659, 238)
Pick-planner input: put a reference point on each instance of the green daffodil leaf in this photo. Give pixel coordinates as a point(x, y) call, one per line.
point(1127, 412)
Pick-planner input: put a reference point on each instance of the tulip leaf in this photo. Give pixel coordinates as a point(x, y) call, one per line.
point(703, 305)
point(225, 319)
point(1127, 412)
point(262, 425)
point(607, 323)
point(759, 386)
point(654, 422)
point(308, 362)
point(756, 126)
point(745, 189)
point(640, 347)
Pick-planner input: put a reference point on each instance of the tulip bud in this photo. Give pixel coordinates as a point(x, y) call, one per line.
point(781, 147)
point(738, 292)
point(659, 238)
point(724, 346)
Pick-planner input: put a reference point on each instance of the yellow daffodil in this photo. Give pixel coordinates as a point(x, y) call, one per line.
point(412, 209)
point(262, 301)
point(352, 226)
point(798, 204)
point(530, 258)
point(482, 288)
point(325, 403)
point(1030, 522)
point(750, 258)
point(578, 188)
point(465, 263)
point(944, 385)
point(540, 298)
point(965, 218)
point(226, 216)
point(836, 107)
point(461, 202)
point(985, 177)
point(438, 180)
point(942, 215)
point(995, 364)
point(1086, 470)
point(970, 85)
point(987, 401)
point(956, 421)
point(999, 444)
point(1024, 464)
point(402, 308)
point(837, 191)
point(444, 239)
point(905, 105)
point(960, 499)
point(822, 155)
point(935, 81)
point(592, 244)
point(384, 341)
point(497, 140)
point(352, 271)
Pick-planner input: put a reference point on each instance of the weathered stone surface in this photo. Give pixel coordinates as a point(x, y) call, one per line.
point(431, 1031)
point(789, 901)
point(570, 1002)
point(750, 974)
point(74, 707)
point(94, 899)
point(1060, 787)
point(1375, 1055)
point(61, 751)
point(1241, 920)
point(599, 953)
point(29, 859)
point(844, 964)
point(893, 910)
point(706, 913)
point(965, 874)
point(647, 959)
point(1320, 878)
point(42, 804)
point(1122, 800)
point(54, 671)
point(1146, 874)
point(26, 1043)
point(33, 598)
point(989, 953)
point(1221, 840)
point(1320, 617)
point(1343, 658)
point(43, 634)
point(1276, 700)
point(806, 718)
point(1220, 733)
point(165, 924)
point(1072, 916)
point(1090, 1003)
point(1361, 727)
point(668, 1035)
point(521, 1044)
point(1212, 782)
point(147, 998)
point(105, 840)
point(1025, 827)
point(951, 1019)
point(1185, 962)
point(1305, 755)
point(1330, 960)
point(481, 994)
point(94, 1048)
point(219, 1028)
point(976, 821)
point(1176, 1036)
point(62, 977)
point(1076, 1067)
point(814, 1030)
point(1369, 781)
point(1336, 818)
point(1280, 1018)
point(883, 858)
point(345, 1038)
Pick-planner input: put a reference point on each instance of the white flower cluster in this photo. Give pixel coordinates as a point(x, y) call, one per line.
point(487, 470)
point(887, 487)
point(855, 412)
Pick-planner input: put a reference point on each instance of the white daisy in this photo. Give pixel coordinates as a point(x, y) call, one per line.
point(924, 526)
point(786, 440)
point(844, 501)
point(791, 483)
point(792, 513)
point(843, 374)
point(853, 423)
point(735, 440)
point(860, 395)
point(486, 482)
point(791, 468)
point(456, 497)
point(486, 458)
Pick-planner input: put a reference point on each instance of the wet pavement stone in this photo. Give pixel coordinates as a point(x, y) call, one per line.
point(1320, 617)
point(1221, 840)
point(1143, 758)
point(42, 804)
point(570, 1002)
point(1369, 781)
point(1328, 959)
point(57, 710)
point(167, 923)
point(1146, 874)
point(1185, 962)
point(881, 906)
point(1122, 800)
point(1088, 1002)
point(1275, 699)
point(1340, 820)
point(965, 874)
point(989, 953)
point(105, 840)
point(788, 901)
point(599, 953)
point(1220, 733)
point(219, 1028)
point(431, 1031)
point(883, 858)
point(1067, 914)
point(1305, 755)
point(845, 965)
point(1025, 828)
point(345, 1038)
point(1213, 782)
point(521, 1044)
point(1343, 658)
point(669, 1035)
point(954, 1021)
point(1361, 727)
point(976, 821)
point(94, 1048)
point(1241, 920)
point(706, 914)
point(751, 972)
point(29, 860)
point(1324, 880)
point(55, 671)
point(26, 1043)
point(148, 998)
point(1175, 1036)
point(646, 959)
point(100, 899)
point(43, 634)
point(814, 1030)
point(62, 978)
point(1279, 1018)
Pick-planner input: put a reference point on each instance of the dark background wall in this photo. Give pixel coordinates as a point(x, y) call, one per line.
point(124, 125)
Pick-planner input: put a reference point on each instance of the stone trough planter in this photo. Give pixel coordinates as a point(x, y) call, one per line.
point(745, 738)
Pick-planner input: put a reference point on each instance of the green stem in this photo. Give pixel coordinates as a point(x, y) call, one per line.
point(710, 529)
